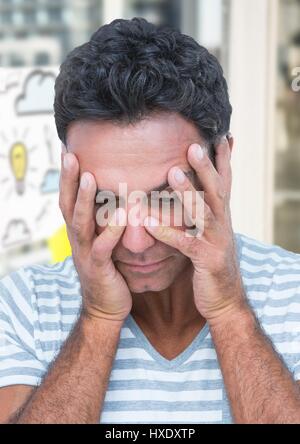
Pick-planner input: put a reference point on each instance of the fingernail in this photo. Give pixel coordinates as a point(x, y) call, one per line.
point(67, 162)
point(151, 222)
point(84, 181)
point(199, 152)
point(179, 176)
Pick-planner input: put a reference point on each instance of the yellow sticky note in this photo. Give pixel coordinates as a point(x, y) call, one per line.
point(59, 245)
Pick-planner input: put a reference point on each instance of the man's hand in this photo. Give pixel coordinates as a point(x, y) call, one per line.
point(255, 377)
point(217, 283)
point(105, 292)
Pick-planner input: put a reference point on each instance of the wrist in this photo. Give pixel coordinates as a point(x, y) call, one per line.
point(91, 311)
point(239, 315)
point(100, 335)
point(95, 319)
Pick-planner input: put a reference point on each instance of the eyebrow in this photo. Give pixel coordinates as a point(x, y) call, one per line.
point(189, 174)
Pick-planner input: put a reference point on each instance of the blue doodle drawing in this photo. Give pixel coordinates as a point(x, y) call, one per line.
point(50, 182)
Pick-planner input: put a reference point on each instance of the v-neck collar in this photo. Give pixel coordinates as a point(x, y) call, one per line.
point(194, 345)
point(164, 362)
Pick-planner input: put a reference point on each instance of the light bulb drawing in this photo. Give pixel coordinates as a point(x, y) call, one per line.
point(19, 160)
point(18, 163)
point(29, 160)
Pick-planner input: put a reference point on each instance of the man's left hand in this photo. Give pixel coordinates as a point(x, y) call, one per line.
point(217, 282)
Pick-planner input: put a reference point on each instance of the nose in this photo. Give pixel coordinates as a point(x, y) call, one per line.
point(135, 237)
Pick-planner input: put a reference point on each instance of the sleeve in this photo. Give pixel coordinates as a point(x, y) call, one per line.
point(286, 333)
point(297, 372)
point(291, 339)
point(18, 361)
point(296, 365)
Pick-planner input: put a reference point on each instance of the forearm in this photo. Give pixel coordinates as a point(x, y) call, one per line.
point(74, 388)
point(259, 386)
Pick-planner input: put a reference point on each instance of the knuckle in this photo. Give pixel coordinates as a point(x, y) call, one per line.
point(61, 204)
point(221, 193)
point(190, 245)
point(63, 210)
point(83, 195)
point(181, 241)
point(110, 230)
point(79, 213)
point(193, 248)
point(208, 217)
point(76, 229)
point(65, 218)
point(205, 162)
point(70, 235)
point(97, 255)
point(166, 233)
point(219, 261)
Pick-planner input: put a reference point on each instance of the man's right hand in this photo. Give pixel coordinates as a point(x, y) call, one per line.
point(104, 290)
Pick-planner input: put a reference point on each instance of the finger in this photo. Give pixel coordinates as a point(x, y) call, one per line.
point(104, 244)
point(63, 152)
point(213, 186)
point(83, 224)
point(223, 165)
point(174, 238)
point(68, 186)
point(194, 204)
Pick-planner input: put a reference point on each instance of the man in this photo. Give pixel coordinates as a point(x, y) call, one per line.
point(145, 323)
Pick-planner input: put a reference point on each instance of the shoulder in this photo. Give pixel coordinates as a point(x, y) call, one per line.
point(269, 272)
point(32, 294)
point(267, 267)
point(40, 304)
point(50, 281)
point(271, 277)
point(259, 253)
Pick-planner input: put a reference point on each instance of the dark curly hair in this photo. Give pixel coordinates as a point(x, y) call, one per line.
point(132, 68)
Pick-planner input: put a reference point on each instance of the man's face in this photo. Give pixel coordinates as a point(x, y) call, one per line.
point(139, 156)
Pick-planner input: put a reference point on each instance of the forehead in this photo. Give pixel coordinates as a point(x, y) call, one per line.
point(140, 155)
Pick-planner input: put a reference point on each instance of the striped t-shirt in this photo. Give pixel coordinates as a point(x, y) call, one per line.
point(40, 304)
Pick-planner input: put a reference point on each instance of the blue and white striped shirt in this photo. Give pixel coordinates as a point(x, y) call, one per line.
point(40, 304)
